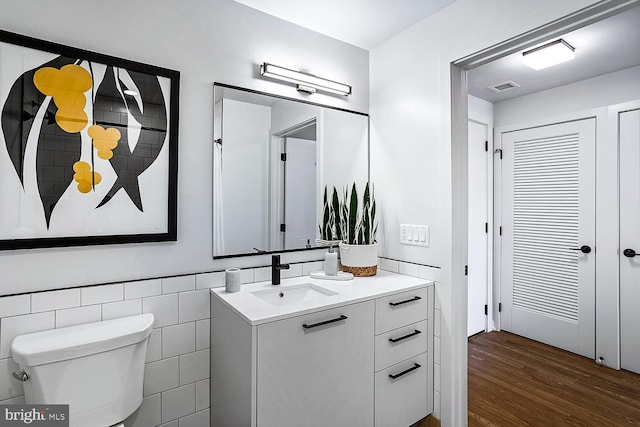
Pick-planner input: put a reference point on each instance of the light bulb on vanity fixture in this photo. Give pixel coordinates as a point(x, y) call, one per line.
point(549, 54)
point(305, 82)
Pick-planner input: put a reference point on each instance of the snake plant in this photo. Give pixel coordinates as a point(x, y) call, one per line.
point(345, 220)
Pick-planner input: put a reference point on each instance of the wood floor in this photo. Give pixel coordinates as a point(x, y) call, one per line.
point(517, 382)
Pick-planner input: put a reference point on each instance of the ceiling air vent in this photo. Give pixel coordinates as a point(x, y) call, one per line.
point(501, 87)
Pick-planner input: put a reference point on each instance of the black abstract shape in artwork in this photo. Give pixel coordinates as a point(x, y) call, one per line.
point(127, 164)
point(19, 111)
point(57, 152)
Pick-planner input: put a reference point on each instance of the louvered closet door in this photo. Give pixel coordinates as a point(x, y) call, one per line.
point(548, 214)
point(629, 128)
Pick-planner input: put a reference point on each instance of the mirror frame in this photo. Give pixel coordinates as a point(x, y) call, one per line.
point(302, 101)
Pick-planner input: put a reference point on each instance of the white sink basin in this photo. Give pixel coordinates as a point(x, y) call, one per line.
point(292, 294)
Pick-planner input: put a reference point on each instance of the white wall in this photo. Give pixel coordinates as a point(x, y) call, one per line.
point(207, 41)
point(411, 149)
point(608, 89)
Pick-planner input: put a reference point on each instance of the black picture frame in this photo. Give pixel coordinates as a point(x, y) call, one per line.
point(136, 207)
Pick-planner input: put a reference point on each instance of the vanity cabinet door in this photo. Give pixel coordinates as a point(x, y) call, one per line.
point(317, 369)
point(401, 393)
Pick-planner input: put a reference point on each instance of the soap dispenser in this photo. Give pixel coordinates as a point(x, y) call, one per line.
point(331, 262)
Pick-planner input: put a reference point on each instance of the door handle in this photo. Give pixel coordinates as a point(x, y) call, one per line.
point(630, 253)
point(585, 249)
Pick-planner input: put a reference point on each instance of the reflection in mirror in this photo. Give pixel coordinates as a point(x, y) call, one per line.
point(272, 158)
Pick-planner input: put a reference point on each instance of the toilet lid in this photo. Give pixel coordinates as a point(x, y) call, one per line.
point(54, 345)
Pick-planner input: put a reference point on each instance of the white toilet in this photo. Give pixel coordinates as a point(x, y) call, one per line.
point(96, 368)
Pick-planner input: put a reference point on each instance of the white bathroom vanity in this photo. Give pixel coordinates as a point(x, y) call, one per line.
point(323, 353)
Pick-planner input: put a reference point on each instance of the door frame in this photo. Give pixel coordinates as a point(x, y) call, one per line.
point(487, 122)
point(607, 295)
point(277, 176)
point(613, 245)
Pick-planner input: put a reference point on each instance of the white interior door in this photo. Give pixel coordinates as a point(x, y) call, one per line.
point(478, 229)
point(548, 216)
point(300, 193)
point(629, 128)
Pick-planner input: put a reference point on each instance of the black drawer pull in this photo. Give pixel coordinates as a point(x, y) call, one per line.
point(326, 322)
point(416, 298)
point(412, 334)
point(396, 376)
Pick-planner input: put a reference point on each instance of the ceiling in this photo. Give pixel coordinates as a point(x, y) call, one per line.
point(362, 23)
point(604, 47)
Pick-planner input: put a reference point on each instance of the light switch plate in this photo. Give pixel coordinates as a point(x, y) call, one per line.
point(415, 235)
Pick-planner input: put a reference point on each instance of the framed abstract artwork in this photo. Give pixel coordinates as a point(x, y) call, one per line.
point(88, 147)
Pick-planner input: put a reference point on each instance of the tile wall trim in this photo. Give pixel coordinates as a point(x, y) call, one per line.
point(142, 279)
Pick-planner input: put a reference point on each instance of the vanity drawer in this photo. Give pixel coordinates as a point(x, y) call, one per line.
point(400, 344)
point(402, 401)
point(401, 309)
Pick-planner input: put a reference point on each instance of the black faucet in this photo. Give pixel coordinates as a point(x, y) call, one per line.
point(275, 269)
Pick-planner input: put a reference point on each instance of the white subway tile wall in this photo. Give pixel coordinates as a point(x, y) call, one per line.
point(176, 385)
point(193, 305)
point(11, 327)
point(14, 306)
point(388, 265)
point(164, 309)
point(101, 294)
point(78, 315)
point(178, 284)
point(194, 367)
point(262, 274)
point(203, 334)
point(178, 402)
point(202, 394)
point(210, 280)
point(178, 339)
point(409, 269)
point(125, 308)
point(144, 288)
point(54, 300)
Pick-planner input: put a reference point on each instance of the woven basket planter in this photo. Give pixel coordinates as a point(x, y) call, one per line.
point(359, 260)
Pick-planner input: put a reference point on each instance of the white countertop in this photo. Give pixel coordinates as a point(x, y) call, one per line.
point(256, 311)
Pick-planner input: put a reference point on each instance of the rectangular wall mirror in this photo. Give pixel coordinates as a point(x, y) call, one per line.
point(272, 158)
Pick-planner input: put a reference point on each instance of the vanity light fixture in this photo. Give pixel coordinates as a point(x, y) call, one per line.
point(305, 82)
point(544, 56)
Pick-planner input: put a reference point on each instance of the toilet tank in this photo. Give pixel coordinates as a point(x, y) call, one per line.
point(95, 368)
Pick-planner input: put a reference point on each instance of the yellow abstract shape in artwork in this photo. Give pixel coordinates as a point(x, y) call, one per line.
point(67, 87)
point(105, 140)
point(84, 177)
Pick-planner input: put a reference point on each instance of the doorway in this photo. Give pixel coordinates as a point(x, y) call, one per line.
point(548, 210)
point(459, 88)
point(294, 151)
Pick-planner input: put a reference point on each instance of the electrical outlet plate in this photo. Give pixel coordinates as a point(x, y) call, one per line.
point(415, 235)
